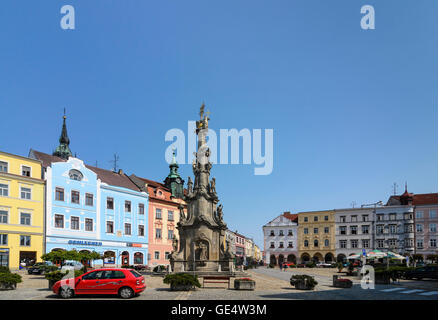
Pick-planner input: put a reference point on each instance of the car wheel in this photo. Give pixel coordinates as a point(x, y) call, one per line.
point(66, 293)
point(126, 293)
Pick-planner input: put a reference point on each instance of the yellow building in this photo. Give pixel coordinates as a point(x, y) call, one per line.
point(316, 234)
point(21, 210)
point(257, 253)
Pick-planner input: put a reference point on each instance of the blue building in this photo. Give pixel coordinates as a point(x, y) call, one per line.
point(92, 209)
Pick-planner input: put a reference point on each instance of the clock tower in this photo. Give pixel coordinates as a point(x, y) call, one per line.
point(173, 181)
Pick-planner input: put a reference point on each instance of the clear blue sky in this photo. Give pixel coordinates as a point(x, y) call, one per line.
point(352, 111)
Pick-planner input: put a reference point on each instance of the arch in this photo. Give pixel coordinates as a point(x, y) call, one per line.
point(317, 257)
point(273, 259)
point(305, 257)
point(280, 259)
point(75, 175)
point(329, 257)
point(125, 258)
point(292, 258)
point(109, 257)
point(138, 258)
point(341, 258)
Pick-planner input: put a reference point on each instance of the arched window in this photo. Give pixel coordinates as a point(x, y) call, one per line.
point(315, 243)
point(109, 257)
point(75, 175)
point(138, 258)
point(326, 242)
point(306, 243)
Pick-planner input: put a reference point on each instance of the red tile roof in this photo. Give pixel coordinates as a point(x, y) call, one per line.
point(290, 216)
point(420, 199)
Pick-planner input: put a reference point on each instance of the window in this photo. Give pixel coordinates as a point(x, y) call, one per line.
point(138, 259)
point(59, 194)
point(306, 219)
point(89, 198)
point(289, 233)
point(59, 221)
point(365, 243)
point(379, 229)
point(272, 233)
point(380, 243)
point(380, 217)
point(343, 230)
point(3, 216)
point(420, 243)
point(26, 193)
point(141, 230)
point(157, 255)
point(75, 175)
point(326, 230)
point(25, 241)
point(419, 215)
point(158, 213)
point(365, 218)
point(315, 218)
point(325, 218)
point(141, 209)
point(392, 216)
point(25, 218)
point(393, 228)
point(166, 255)
point(127, 206)
point(110, 203)
point(315, 243)
point(4, 190)
point(306, 231)
point(3, 166)
point(170, 215)
point(3, 239)
point(306, 243)
point(353, 218)
point(342, 218)
point(290, 244)
point(353, 229)
point(409, 228)
point(158, 233)
point(88, 224)
point(281, 233)
point(326, 242)
point(272, 245)
point(343, 244)
point(170, 234)
point(432, 213)
point(26, 171)
point(128, 229)
point(432, 227)
point(281, 244)
point(315, 230)
point(433, 243)
point(75, 197)
point(365, 229)
point(392, 242)
point(74, 223)
point(109, 227)
point(113, 274)
point(354, 243)
point(419, 228)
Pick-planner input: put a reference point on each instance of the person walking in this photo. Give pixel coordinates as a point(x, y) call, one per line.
point(281, 266)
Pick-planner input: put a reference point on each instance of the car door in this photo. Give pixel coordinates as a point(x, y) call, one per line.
point(89, 283)
point(110, 282)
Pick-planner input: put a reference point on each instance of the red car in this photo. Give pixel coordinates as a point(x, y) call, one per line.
point(124, 282)
point(288, 264)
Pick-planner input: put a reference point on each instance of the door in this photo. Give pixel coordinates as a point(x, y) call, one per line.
point(110, 282)
point(89, 283)
point(28, 257)
point(125, 258)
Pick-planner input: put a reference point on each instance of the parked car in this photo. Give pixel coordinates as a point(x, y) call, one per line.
point(323, 265)
point(288, 265)
point(422, 272)
point(122, 282)
point(39, 267)
point(301, 265)
point(71, 263)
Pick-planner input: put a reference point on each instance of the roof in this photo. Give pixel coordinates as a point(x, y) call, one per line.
point(109, 177)
point(290, 216)
point(420, 199)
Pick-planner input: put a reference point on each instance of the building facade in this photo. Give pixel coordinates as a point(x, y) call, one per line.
point(281, 239)
point(316, 234)
point(426, 223)
point(239, 244)
point(354, 231)
point(21, 210)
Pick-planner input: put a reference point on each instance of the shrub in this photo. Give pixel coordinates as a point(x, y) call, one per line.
point(310, 264)
point(9, 280)
point(308, 280)
point(271, 265)
point(160, 268)
point(4, 269)
point(128, 267)
point(182, 279)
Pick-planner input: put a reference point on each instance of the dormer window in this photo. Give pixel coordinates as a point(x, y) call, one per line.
point(75, 175)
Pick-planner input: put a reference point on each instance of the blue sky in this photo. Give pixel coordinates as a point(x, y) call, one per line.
point(353, 111)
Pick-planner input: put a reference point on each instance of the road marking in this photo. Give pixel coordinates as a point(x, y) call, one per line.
point(430, 293)
point(412, 291)
point(392, 289)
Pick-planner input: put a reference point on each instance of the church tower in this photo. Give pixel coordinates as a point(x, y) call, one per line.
point(173, 181)
point(63, 150)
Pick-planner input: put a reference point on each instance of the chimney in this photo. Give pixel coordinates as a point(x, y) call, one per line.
point(120, 172)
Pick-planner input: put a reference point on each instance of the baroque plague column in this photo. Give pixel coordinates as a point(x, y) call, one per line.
point(202, 231)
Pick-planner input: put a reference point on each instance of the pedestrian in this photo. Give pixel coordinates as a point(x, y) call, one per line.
point(281, 266)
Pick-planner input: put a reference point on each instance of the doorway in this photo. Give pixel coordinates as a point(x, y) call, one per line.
point(125, 258)
point(28, 257)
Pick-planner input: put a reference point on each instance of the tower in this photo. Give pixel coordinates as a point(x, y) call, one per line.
point(173, 181)
point(63, 150)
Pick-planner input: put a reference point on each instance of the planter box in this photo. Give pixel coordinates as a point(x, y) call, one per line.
point(302, 285)
point(244, 285)
point(342, 284)
point(8, 286)
point(181, 287)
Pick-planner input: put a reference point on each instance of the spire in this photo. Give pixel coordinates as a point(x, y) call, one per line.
point(173, 181)
point(63, 150)
point(173, 167)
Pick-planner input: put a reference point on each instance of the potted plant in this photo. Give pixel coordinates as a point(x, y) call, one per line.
point(8, 280)
point(342, 283)
point(303, 282)
point(182, 281)
point(244, 284)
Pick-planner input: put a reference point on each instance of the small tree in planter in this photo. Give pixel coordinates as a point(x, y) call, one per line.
point(8, 280)
point(182, 281)
point(340, 266)
point(303, 282)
